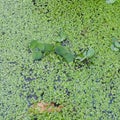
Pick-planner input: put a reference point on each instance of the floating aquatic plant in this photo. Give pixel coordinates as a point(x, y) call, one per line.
point(39, 50)
point(115, 44)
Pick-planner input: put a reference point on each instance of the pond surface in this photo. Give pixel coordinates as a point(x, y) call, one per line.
point(88, 90)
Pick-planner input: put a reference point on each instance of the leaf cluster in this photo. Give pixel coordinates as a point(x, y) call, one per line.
point(39, 50)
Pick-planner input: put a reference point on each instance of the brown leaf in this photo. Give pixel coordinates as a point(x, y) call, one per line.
point(41, 107)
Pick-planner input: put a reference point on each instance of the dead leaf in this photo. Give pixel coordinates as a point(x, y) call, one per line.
point(41, 107)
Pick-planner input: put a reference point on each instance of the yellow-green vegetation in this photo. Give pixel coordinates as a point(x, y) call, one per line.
point(89, 88)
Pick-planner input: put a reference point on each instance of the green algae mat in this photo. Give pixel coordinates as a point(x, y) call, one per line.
point(79, 90)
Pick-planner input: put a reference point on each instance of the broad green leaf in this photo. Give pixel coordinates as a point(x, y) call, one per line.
point(37, 55)
point(89, 53)
point(60, 50)
point(33, 44)
point(69, 57)
point(114, 48)
point(48, 47)
point(40, 46)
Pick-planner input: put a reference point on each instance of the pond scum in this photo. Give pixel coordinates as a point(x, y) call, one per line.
point(87, 90)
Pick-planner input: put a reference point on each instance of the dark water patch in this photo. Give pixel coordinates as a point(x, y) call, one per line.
point(118, 70)
point(58, 79)
point(65, 42)
point(42, 95)
point(3, 33)
point(112, 98)
point(29, 79)
point(34, 2)
point(55, 104)
point(67, 92)
point(31, 96)
point(13, 62)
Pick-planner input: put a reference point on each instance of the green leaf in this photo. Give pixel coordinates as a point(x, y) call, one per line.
point(90, 53)
point(114, 48)
point(48, 47)
point(33, 44)
point(60, 50)
point(69, 57)
point(40, 46)
point(37, 55)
